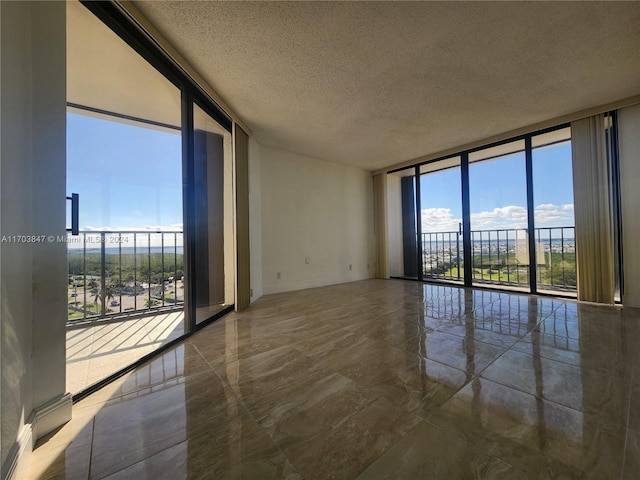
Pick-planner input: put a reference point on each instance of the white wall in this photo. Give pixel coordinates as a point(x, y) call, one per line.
point(33, 276)
point(394, 224)
point(629, 142)
point(315, 210)
point(255, 219)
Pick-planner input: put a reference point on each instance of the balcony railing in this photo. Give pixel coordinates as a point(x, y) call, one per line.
point(442, 255)
point(120, 273)
point(502, 256)
point(559, 267)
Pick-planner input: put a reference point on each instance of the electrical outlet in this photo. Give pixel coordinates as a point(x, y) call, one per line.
point(278, 275)
point(350, 268)
point(307, 260)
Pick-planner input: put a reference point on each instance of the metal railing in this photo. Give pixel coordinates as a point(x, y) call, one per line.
point(118, 273)
point(558, 270)
point(442, 255)
point(501, 256)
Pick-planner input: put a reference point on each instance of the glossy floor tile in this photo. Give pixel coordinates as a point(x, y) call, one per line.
point(420, 454)
point(542, 438)
point(378, 379)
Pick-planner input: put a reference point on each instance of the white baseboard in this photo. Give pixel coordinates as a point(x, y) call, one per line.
point(51, 415)
point(44, 419)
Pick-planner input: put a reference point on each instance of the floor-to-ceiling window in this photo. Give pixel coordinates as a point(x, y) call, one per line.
point(553, 202)
point(441, 220)
point(499, 219)
point(499, 216)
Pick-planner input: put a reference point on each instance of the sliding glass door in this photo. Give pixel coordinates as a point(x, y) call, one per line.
point(125, 291)
point(554, 218)
point(441, 220)
point(150, 179)
point(498, 215)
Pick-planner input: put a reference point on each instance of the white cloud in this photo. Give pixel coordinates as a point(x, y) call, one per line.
point(550, 215)
point(505, 217)
point(439, 220)
point(509, 217)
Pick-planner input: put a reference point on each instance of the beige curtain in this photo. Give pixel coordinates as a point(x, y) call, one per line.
point(592, 204)
point(243, 275)
point(380, 224)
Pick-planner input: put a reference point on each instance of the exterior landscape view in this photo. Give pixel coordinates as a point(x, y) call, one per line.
point(503, 257)
point(125, 280)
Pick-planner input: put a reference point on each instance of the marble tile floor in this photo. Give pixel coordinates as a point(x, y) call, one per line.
point(378, 379)
point(98, 350)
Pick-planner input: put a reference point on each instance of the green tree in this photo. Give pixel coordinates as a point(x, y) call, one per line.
point(108, 291)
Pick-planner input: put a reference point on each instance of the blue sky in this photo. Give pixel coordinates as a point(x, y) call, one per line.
point(498, 193)
point(128, 177)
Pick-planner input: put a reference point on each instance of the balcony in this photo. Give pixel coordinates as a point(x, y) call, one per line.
point(125, 299)
point(501, 257)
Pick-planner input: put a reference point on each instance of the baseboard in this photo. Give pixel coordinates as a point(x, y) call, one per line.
point(51, 415)
point(20, 451)
point(44, 419)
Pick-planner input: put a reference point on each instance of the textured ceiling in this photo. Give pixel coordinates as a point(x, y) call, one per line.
point(374, 84)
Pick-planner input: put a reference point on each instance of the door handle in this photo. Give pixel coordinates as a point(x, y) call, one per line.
point(459, 228)
point(75, 203)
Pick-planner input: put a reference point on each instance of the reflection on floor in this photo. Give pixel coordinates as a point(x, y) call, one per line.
point(96, 351)
point(373, 380)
